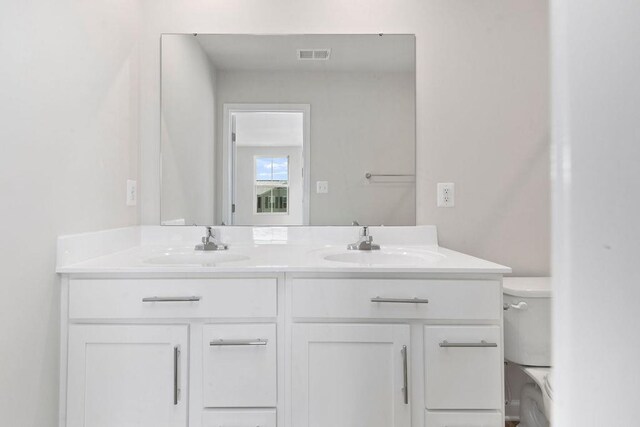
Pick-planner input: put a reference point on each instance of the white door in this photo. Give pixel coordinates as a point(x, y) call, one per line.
point(268, 156)
point(350, 375)
point(126, 376)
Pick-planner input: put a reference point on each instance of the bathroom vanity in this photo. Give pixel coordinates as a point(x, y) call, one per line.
point(285, 328)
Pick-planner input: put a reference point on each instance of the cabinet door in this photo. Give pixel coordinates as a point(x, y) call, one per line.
point(125, 376)
point(350, 375)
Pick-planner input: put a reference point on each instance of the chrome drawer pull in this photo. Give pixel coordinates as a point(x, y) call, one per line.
point(405, 375)
point(482, 343)
point(176, 379)
point(222, 342)
point(401, 300)
point(172, 299)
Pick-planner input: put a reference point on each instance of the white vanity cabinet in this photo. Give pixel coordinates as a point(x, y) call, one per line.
point(170, 351)
point(400, 350)
point(285, 349)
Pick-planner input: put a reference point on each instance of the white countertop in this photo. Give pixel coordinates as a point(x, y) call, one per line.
point(302, 249)
point(278, 258)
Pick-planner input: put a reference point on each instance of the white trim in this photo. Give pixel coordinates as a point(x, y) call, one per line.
point(228, 161)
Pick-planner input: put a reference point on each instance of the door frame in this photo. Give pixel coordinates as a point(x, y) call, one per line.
point(228, 159)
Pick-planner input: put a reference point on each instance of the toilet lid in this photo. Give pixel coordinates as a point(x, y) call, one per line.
point(527, 287)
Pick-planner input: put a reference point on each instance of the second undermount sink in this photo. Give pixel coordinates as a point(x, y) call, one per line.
point(384, 257)
point(203, 258)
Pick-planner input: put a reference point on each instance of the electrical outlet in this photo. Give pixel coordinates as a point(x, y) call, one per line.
point(132, 192)
point(322, 187)
point(446, 195)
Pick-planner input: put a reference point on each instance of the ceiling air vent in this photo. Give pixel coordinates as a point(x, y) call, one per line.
point(314, 54)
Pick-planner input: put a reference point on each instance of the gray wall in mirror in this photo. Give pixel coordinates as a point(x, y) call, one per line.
point(252, 131)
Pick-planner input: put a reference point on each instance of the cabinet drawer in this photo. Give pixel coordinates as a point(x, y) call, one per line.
point(463, 419)
point(172, 298)
point(266, 418)
point(437, 299)
point(239, 366)
point(463, 367)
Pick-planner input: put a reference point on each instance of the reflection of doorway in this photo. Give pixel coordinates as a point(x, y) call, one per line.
point(266, 164)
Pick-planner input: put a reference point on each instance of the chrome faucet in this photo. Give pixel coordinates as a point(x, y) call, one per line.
point(364, 243)
point(209, 242)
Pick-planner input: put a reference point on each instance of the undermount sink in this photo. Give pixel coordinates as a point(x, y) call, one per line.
point(208, 259)
point(384, 257)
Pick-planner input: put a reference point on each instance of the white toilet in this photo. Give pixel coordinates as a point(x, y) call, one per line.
point(527, 343)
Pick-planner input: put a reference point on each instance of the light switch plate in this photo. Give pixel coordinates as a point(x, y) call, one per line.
point(446, 195)
point(322, 187)
point(132, 192)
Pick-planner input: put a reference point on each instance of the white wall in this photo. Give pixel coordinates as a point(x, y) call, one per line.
point(270, 129)
point(68, 103)
point(360, 122)
point(188, 131)
point(482, 94)
point(596, 133)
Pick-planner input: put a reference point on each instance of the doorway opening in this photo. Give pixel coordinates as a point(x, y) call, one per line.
point(266, 161)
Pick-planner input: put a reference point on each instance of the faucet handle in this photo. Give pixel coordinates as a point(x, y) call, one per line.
point(209, 241)
point(208, 236)
point(364, 232)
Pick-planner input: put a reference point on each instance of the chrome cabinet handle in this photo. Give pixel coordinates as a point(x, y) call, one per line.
point(176, 379)
point(401, 300)
point(172, 299)
point(482, 343)
point(405, 375)
point(221, 342)
point(519, 306)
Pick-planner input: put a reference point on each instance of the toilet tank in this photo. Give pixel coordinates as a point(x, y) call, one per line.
point(527, 321)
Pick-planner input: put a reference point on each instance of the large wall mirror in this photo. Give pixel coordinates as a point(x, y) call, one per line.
point(288, 129)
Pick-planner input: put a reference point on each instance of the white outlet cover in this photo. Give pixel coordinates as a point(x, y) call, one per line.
point(132, 192)
point(322, 187)
point(446, 195)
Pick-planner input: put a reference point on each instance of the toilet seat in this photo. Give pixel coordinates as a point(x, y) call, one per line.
point(543, 377)
point(532, 413)
point(548, 385)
